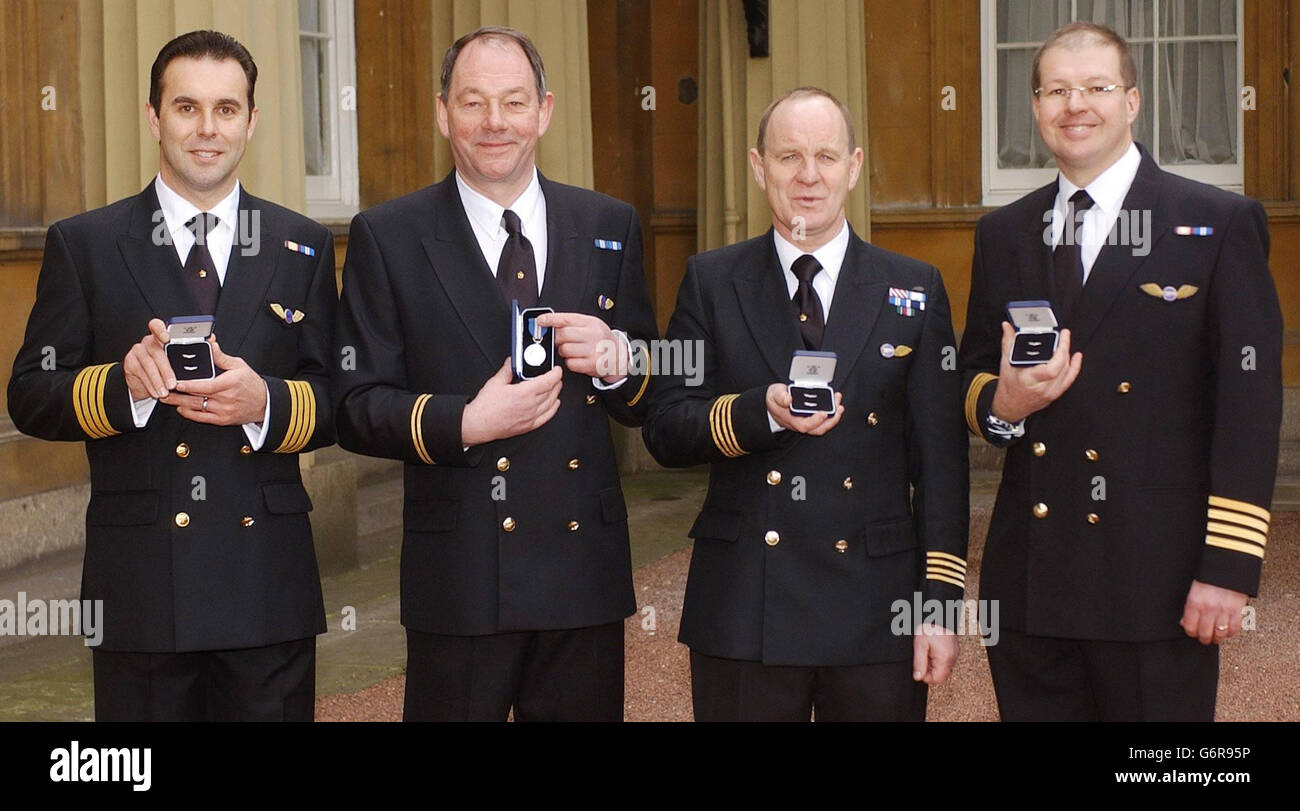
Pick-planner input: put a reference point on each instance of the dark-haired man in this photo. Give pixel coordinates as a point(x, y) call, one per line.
point(516, 572)
point(1130, 524)
point(817, 529)
point(197, 538)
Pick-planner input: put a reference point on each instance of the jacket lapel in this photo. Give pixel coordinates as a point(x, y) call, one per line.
point(243, 293)
point(459, 267)
point(1034, 250)
point(1116, 264)
point(765, 303)
point(567, 265)
point(152, 260)
point(859, 292)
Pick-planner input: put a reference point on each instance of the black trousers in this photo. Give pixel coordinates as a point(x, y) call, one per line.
point(737, 690)
point(271, 683)
point(568, 675)
point(1048, 679)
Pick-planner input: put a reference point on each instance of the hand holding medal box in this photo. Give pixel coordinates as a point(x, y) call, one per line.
point(811, 374)
point(1036, 332)
point(188, 351)
point(532, 346)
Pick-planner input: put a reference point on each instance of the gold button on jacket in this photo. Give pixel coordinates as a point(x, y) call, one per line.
point(774, 477)
point(182, 519)
point(182, 450)
point(772, 537)
point(503, 464)
point(1040, 510)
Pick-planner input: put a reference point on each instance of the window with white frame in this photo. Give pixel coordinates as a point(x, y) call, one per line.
point(325, 37)
point(1189, 63)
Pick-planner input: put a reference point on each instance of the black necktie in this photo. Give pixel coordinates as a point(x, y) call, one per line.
point(807, 306)
point(517, 270)
point(200, 270)
point(1067, 258)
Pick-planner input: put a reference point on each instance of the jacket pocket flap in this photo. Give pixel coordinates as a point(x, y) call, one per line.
point(722, 525)
point(438, 515)
point(890, 537)
point(286, 498)
point(122, 509)
point(612, 507)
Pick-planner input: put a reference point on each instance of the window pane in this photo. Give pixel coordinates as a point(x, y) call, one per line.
point(1019, 146)
point(1030, 20)
point(1143, 131)
point(317, 147)
point(309, 15)
point(1198, 98)
point(1129, 18)
point(1197, 17)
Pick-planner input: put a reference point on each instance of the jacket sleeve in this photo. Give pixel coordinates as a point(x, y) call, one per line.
point(57, 390)
point(692, 421)
point(1246, 347)
point(981, 346)
point(633, 314)
point(937, 444)
point(376, 413)
point(302, 418)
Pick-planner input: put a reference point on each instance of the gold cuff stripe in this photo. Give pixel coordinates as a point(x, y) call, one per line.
point(417, 428)
point(295, 419)
point(1240, 506)
point(1235, 546)
point(720, 426)
point(309, 413)
point(302, 417)
point(941, 578)
point(88, 401)
point(972, 401)
point(936, 557)
point(97, 400)
point(1236, 532)
point(1239, 519)
point(935, 567)
point(645, 383)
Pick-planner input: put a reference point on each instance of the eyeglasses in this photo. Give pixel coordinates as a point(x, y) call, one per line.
point(1062, 94)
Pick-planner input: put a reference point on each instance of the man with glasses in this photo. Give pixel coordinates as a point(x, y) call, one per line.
point(1131, 521)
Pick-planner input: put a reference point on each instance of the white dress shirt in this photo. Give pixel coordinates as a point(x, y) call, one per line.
point(489, 226)
point(486, 219)
point(830, 256)
point(176, 212)
point(1107, 191)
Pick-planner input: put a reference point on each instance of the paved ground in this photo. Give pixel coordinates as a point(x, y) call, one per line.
point(359, 674)
point(1260, 670)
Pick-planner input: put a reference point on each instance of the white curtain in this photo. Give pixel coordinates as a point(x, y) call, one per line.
point(1197, 84)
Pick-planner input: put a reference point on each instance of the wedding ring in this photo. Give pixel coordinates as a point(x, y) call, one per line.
point(1220, 627)
point(205, 404)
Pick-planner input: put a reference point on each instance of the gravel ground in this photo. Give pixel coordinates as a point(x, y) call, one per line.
point(1259, 681)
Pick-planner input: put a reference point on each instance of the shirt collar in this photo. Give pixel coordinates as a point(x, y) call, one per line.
point(830, 256)
point(487, 213)
point(177, 210)
point(1110, 187)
